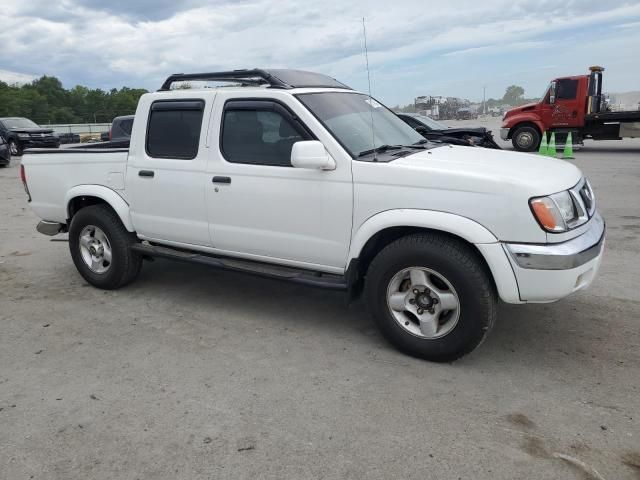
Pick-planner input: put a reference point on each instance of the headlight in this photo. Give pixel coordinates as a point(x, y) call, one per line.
point(555, 213)
point(23, 135)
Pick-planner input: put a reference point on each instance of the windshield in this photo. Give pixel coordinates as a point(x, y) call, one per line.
point(430, 122)
point(348, 117)
point(18, 123)
point(546, 91)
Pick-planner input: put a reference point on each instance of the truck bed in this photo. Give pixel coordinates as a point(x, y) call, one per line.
point(53, 173)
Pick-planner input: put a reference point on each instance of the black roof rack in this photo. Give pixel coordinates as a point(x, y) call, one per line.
point(274, 78)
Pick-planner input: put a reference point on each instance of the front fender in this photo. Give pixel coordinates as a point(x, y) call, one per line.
point(109, 196)
point(463, 227)
point(527, 117)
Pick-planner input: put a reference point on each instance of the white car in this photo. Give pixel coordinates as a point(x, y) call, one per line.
point(293, 175)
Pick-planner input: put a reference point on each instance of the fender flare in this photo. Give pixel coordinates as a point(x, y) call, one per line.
point(517, 120)
point(476, 234)
point(110, 197)
point(462, 227)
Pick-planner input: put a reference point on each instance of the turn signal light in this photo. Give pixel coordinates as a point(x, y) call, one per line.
point(547, 214)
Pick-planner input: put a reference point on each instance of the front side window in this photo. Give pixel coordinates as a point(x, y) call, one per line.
point(259, 137)
point(358, 121)
point(174, 129)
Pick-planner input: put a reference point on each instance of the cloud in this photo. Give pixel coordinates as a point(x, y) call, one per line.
point(14, 77)
point(139, 43)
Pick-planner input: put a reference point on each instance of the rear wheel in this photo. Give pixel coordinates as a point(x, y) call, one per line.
point(101, 248)
point(526, 139)
point(431, 296)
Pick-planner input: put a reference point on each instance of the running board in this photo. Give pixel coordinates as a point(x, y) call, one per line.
point(278, 272)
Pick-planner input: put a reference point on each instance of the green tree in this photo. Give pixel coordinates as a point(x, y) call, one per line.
point(46, 101)
point(514, 95)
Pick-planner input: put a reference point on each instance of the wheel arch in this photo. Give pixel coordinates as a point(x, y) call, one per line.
point(82, 196)
point(386, 227)
point(535, 123)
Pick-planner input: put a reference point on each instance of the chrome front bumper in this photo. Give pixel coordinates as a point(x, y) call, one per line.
point(504, 133)
point(561, 256)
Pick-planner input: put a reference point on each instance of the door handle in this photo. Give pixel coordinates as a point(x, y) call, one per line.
point(217, 179)
point(146, 173)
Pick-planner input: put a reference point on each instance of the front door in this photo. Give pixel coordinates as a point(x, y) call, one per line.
point(261, 207)
point(166, 174)
point(560, 108)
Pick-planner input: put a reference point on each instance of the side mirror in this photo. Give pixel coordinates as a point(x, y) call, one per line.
point(311, 154)
point(552, 93)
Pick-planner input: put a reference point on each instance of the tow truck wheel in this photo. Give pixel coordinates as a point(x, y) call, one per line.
point(526, 139)
point(431, 296)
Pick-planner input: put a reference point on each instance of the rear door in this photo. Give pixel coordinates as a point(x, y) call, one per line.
point(166, 174)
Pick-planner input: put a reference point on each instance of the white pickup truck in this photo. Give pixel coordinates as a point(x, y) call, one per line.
point(294, 175)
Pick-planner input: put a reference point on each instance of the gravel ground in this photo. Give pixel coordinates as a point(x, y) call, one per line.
point(192, 373)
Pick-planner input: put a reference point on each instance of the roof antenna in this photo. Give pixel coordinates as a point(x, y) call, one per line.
point(366, 56)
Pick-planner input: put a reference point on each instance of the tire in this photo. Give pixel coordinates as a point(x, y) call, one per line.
point(100, 228)
point(526, 139)
point(452, 268)
point(15, 150)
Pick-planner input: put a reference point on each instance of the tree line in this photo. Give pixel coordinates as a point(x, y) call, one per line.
point(46, 101)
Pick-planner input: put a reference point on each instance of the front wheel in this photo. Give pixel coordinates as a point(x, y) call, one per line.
point(431, 296)
point(15, 149)
point(101, 248)
point(526, 139)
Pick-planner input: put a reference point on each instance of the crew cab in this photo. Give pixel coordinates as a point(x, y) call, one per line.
point(293, 175)
point(570, 104)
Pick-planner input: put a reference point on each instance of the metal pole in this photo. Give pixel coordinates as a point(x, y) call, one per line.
point(484, 100)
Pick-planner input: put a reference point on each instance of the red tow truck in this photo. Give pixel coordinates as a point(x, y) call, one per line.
point(570, 104)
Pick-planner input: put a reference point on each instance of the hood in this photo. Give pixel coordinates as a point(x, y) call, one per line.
point(479, 131)
point(535, 174)
point(31, 130)
point(491, 187)
point(521, 108)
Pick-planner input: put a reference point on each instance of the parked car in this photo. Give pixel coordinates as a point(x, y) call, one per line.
point(121, 128)
point(21, 133)
point(5, 155)
point(466, 114)
point(439, 132)
point(296, 182)
point(69, 137)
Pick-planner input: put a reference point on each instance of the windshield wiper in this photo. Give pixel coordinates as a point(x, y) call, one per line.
point(380, 149)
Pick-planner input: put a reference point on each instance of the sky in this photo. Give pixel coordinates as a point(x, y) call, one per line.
point(420, 47)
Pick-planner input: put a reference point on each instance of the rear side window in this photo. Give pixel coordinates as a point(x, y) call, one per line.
point(567, 89)
point(174, 128)
point(126, 126)
point(261, 135)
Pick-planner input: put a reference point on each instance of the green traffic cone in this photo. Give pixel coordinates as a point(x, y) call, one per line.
point(551, 149)
point(543, 144)
point(568, 147)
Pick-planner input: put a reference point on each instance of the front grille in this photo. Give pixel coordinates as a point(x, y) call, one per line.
point(584, 202)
